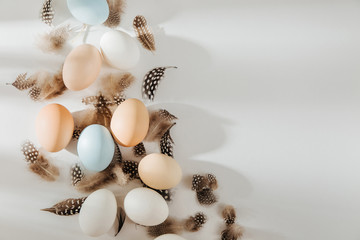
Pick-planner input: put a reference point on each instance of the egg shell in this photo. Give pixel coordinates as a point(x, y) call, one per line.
point(90, 12)
point(81, 67)
point(169, 237)
point(98, 213)
point(146, 207)
point(159, 171)
point(130, 122)
point(54, 127)
point(96, 147)
point(119, 49)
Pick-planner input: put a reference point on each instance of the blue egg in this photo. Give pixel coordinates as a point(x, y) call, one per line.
point(96, 147)
point(91, 12)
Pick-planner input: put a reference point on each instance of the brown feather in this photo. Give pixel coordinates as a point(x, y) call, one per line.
point(112, 174)
point(139, 150)
point(166, 143)
point(131, 169)
point(47, 12)
point(38, 164)
point(206, 197)
point(195, 223)
point(160, 122)
point(76, 174)
point(102, 105)
point(54, 40)
point(114, 84)
point(116, 8)
point(170, 225)
point(47, 85)
point(232, 232)
point(144, 33)
point(229, 215)
point(67, 207)
point(22, 83)
point(151, 81)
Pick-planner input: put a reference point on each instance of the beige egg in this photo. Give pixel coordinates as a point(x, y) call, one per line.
point(130, 122)
point(54, 127)
point(81, 67)
point(159, 171)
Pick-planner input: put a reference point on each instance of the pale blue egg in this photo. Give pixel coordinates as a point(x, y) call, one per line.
point(96, 147)
point(91, 12)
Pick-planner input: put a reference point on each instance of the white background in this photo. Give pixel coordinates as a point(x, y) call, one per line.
point(267, 96)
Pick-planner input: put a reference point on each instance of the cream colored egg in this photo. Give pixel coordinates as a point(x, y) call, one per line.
point(54, 127)
point(98, 213)
point(146, 207)
point(130, 122)
point(119, 49)
point(159, 171)
point(81, 67)
point(169, 237)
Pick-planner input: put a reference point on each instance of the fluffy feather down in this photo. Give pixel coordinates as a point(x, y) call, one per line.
point(160, 122)
point(116, 8)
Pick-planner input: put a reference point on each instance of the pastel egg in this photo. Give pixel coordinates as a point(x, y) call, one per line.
point(146, 207)
point(130, 122)
point(119, 49)
point(96, 147)
point(90, 12)
point(81, 67)
point(169, 237)
point(98, 213)
point(159, 171)
point(54, 127)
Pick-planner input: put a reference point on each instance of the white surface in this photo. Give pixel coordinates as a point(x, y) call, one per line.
point(267, 95)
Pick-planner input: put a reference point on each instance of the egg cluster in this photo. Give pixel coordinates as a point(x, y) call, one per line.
point(98, 144)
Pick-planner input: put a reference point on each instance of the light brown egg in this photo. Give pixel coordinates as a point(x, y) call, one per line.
point(81, 67)
point(130, 122)
point(159, 171)
point(54, 127)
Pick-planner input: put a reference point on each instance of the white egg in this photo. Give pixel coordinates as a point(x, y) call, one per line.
point(169, 237)
point(146, 207)
point(98, 213)
point(119, 49)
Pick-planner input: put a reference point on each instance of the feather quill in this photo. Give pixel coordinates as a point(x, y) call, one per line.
point(38, 164)
point(113, 174)
point(144, 33)
point(160, 122)
point(47, 12)
point(152, 80)
point(54, 40)
point(166, 143)
point(116, 8)
point(67, 207)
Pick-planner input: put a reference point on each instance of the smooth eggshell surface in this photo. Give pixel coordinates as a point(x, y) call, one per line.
point(91, 12)
point(159, 171)
point(81, 67)
point(54, 127)
point(98, 213)
point(119, 49)
point(130, 122)
point(146, 207)
point(169, 237)
point(96, 147)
